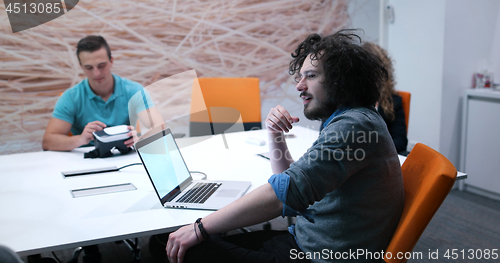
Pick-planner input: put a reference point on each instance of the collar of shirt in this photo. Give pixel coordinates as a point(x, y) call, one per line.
point(335, 114)
point(116, 92)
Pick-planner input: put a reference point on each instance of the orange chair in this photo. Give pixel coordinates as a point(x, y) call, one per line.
point(224, 103)
point(406, 96)
point(428, 178)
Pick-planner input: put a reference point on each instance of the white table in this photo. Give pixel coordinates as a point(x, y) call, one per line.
point(39, 214)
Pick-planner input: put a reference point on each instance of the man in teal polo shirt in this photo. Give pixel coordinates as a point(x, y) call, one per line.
point(101, 100)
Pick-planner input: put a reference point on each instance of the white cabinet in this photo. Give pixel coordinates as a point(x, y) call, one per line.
point(480, 151)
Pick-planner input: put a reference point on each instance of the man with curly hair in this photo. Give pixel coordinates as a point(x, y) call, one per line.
point(346, 190)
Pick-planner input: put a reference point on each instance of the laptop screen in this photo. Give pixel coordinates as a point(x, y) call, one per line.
point(164, 164)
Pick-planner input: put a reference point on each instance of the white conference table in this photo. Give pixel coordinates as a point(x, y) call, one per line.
point(39, 214)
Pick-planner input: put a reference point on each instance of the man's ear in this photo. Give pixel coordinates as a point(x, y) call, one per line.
point(111, 60)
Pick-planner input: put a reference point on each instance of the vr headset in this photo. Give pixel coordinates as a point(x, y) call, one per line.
point(108, 139)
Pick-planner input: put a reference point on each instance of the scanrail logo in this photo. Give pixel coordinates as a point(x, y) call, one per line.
point(25, 14)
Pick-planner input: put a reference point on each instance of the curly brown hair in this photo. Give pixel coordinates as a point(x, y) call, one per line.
point(387, 88)
point(353, 75)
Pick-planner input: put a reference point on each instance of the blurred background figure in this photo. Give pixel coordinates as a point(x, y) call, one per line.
point(390, 105)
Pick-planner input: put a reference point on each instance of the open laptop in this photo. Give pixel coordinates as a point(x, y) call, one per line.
point(172, 180)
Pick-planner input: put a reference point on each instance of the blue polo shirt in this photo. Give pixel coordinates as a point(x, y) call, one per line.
point(79, 105)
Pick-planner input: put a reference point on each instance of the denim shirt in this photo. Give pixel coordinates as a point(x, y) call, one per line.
point(280, 183)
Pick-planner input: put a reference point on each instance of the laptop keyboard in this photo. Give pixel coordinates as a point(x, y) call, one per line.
point(199, 193)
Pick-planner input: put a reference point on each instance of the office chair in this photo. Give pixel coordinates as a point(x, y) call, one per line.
point(133, 245)
point(406, 96)
point(428, 178)
point(8, 256)
point(220, 105)
point(224, 105)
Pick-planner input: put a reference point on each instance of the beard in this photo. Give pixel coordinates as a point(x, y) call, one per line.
point(319, 108)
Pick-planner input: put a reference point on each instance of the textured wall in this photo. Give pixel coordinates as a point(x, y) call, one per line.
point(151, 40)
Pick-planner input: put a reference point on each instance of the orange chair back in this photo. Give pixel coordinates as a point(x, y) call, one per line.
point(222, 102)
point(428, 178)
point(406, 96)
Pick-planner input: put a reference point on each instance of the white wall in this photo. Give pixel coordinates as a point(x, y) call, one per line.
point(470, 30)
point(437, 46)
point(415, 42)
point(365, 14)
point(496, 48)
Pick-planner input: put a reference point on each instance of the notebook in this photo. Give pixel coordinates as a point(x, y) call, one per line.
point(172, 180)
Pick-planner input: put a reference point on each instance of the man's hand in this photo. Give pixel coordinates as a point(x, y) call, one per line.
point(132, 133)
point(180, 241)
point(91, 127)
point(279, 120)
point(255, 207)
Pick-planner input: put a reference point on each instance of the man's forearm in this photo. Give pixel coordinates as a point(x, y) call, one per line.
point(255, 207)
point(59, 142)
point(278, 152)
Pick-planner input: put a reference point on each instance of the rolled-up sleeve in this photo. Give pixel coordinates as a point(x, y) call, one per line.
point(280, 184)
